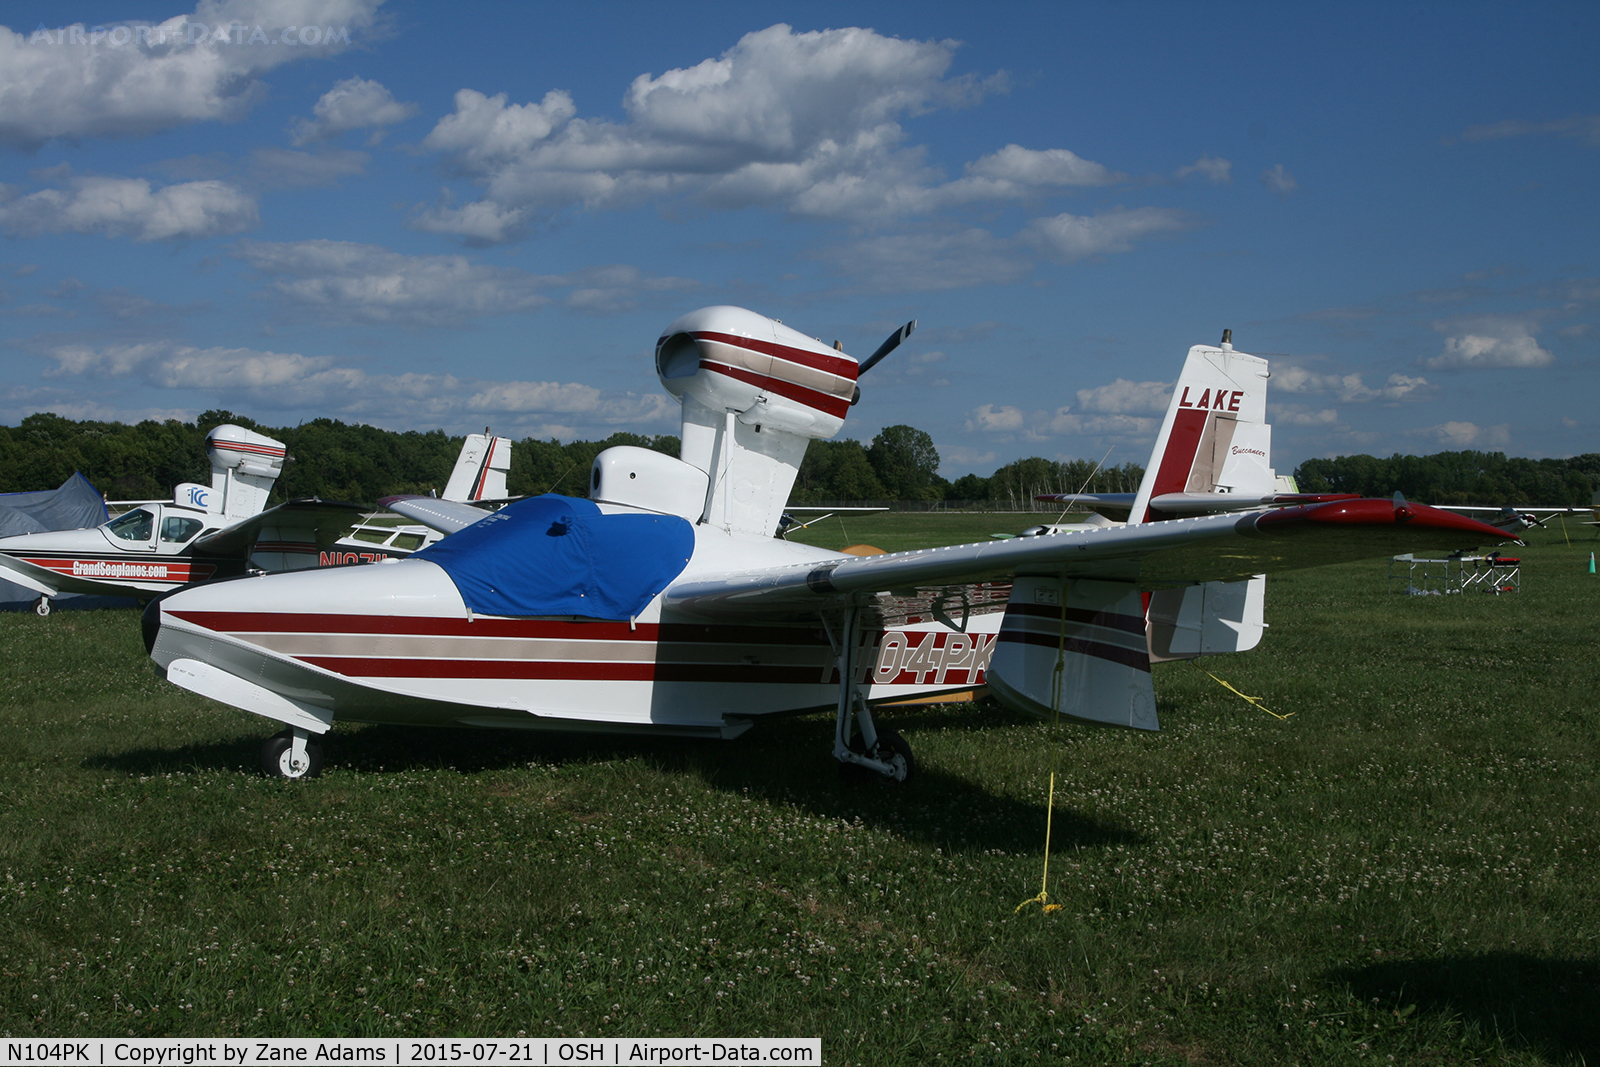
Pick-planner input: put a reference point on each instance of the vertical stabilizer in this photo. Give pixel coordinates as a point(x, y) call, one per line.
point(244, 464)
point(1215, 438)
point(480, 471)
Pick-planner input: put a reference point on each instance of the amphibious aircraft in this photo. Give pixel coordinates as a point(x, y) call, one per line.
point(665, 604)
point(205, 532)
point(478, 479)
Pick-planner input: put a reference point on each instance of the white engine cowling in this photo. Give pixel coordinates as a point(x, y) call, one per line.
point(728, 359)
point(244, 464)
point(236, 448)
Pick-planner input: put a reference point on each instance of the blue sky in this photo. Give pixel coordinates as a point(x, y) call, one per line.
point(426, 217)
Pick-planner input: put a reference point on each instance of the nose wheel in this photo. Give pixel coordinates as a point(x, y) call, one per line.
point(291, 754)
point(43, 606)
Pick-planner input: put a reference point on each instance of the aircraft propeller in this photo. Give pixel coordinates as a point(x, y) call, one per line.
point(891, 343)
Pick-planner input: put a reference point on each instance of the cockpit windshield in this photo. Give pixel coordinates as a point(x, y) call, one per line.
point(136, 525)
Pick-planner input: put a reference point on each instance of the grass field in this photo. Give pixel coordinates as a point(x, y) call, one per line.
point(1404, 870)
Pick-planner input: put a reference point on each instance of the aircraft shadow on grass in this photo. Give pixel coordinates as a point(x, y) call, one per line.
point(1549, 1007)
point(779, 762)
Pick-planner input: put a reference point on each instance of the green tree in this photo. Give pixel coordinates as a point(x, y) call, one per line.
point(837, 470)
point(906, 463)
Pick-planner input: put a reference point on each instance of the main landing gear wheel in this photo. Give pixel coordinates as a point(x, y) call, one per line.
point(280, 758)
point(891, 749)
point(42, 607)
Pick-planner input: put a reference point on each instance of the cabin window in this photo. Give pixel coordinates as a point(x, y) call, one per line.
point(134, 526)
point(175, 529)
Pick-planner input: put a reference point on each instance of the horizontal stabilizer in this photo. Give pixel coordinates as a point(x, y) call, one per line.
point(446, 516)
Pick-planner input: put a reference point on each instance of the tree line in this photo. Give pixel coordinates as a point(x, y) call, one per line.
point(342, 461)
point(1489, 478)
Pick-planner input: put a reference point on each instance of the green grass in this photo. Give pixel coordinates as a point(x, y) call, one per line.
point(1404, 870)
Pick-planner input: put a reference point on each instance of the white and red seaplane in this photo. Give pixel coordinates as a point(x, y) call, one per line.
point(664, 604)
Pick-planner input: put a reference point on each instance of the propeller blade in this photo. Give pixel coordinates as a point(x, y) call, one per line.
point(888, 346)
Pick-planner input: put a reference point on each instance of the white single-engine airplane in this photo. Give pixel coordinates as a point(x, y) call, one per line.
point(664, 603)
point(205, 533)
point(1514, 520)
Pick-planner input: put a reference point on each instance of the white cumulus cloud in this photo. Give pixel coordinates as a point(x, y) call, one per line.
point(1467, 435)
point(135, 77)
point(1349, 388)
point(130, 207)
point(1216, 171)
point(1488, 341)
point(1067, 238)
point(991, 419)
point(235, 377)
point(352, 104)
point(343, 281)
point(1123, 397)
point(807, 123)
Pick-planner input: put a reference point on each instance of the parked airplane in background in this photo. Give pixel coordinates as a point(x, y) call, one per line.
point(479, 478)
point(664, 604)
point(1515, 520)
point(206, 532)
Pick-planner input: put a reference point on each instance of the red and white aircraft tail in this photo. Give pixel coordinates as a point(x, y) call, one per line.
point(480, 470)
point(1214, 441)
point(1213, 454)
point(244, 465)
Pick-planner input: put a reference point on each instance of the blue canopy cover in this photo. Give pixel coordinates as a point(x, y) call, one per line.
point(558, 555)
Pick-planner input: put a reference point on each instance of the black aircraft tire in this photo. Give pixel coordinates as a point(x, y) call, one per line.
point(42, 607)
point(895, 751)
point(275, 758)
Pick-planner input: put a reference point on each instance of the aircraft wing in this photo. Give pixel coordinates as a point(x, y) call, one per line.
point(325, 519)
point(1152, 556)
point(446, 516)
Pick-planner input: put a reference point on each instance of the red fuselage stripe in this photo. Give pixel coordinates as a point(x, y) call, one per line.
point(570, 670)
point(291, 622)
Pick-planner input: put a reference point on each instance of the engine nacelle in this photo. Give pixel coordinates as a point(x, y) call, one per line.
point(728, 359)
point(238, 449)
point(244, 464)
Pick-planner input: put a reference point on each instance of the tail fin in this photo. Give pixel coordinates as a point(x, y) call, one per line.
point(480, 471)
point(1215, 438)
point(244, 464)
point(1214, 442)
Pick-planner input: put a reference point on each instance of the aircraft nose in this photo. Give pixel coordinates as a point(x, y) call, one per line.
point(150, 625)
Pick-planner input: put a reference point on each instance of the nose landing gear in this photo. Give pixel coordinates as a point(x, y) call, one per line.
point(291, 754)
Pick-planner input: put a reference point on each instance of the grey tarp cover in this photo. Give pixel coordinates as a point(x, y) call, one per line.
point(75, 506)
